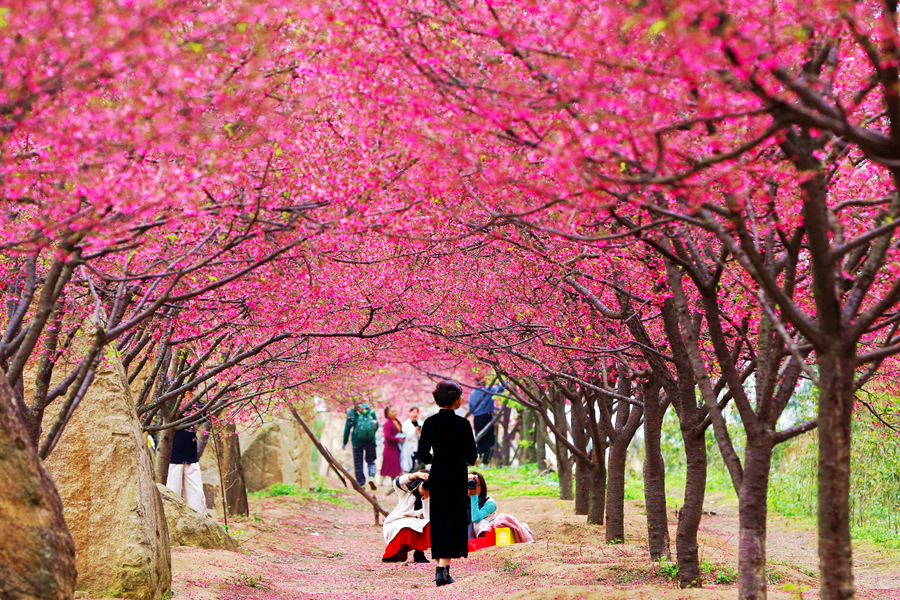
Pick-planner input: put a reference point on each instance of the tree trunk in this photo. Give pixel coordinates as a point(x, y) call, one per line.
point(528, 453)
point(655, 482)
point(163, 454)
point(686, 548)
point(597, 494)
point(233, 486)
point(582, 467)
point(37, 555)
point(506, 447)
point(563, 463)
point(752, 512)
point(835, 420)
point(628, 419)
point(615, 493)
point(540, 442)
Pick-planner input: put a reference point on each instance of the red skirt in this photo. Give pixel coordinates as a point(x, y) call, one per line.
point(408, 539)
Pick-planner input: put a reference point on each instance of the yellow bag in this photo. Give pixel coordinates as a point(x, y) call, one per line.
point(504, 536)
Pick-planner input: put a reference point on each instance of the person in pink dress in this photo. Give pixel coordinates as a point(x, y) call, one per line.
point(393, 438)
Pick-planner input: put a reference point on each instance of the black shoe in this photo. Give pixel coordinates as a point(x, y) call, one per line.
point(442, 576)
point(373, 486)
point(419, 557)
point(390, 559)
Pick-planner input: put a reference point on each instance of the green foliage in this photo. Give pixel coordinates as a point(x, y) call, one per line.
point(319, 491)
point(257, 518)
point(718, 573)
point(874, 483)
point(796, 590)
point(667, 569)
point(524, 480)
point(634, 488)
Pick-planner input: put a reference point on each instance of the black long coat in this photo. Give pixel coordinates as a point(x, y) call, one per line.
point(448, 444)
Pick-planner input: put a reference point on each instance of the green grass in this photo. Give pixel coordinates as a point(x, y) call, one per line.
point(251, 581)
point(320, 491)
point(513, 567)
point(525, 480)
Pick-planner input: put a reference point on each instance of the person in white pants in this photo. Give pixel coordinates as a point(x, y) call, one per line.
point(184, 476)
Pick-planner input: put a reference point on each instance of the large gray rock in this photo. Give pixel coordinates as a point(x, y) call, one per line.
point(279, 453)
point(104, 474)
point(187, 527)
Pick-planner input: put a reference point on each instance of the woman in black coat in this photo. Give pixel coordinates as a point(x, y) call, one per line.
point(447, 442)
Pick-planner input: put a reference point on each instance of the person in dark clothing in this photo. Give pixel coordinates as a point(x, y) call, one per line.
point(482, 407)
point(363, 422)
point(184, 477)
point(448, 445)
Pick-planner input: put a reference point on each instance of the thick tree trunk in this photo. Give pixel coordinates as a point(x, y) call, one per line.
point(752, 511)
point(37, 554)
point(234, 488)
point(564, 464)
point(835, 420)
point(597, 494)
point(615, 493)
point(686, 548)
point(655, 483)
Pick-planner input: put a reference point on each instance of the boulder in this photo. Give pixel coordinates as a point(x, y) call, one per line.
point(104, 473)
point(278, 453)
point(187, 527)
point(37, 554)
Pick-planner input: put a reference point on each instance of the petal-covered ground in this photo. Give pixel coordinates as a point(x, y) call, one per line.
point(296, 548)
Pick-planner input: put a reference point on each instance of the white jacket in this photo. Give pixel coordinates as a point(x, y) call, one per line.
point(405, 513)
point(410, 445)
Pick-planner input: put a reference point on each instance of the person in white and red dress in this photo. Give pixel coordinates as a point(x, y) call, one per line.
point(408, 526)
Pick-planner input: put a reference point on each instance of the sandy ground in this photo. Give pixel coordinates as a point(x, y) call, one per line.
point(305, 549)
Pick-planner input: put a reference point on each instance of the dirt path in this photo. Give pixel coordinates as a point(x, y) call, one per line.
point(305, 549)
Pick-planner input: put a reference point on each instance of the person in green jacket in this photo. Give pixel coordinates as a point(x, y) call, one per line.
point(363, 422)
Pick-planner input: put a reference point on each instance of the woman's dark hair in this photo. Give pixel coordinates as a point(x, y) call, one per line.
point(446, 393)
point(386, 409)
point(482, 483)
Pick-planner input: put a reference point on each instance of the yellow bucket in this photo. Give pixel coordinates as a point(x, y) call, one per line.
point(504, 536)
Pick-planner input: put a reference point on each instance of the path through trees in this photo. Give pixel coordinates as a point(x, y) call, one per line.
point(312, 549)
